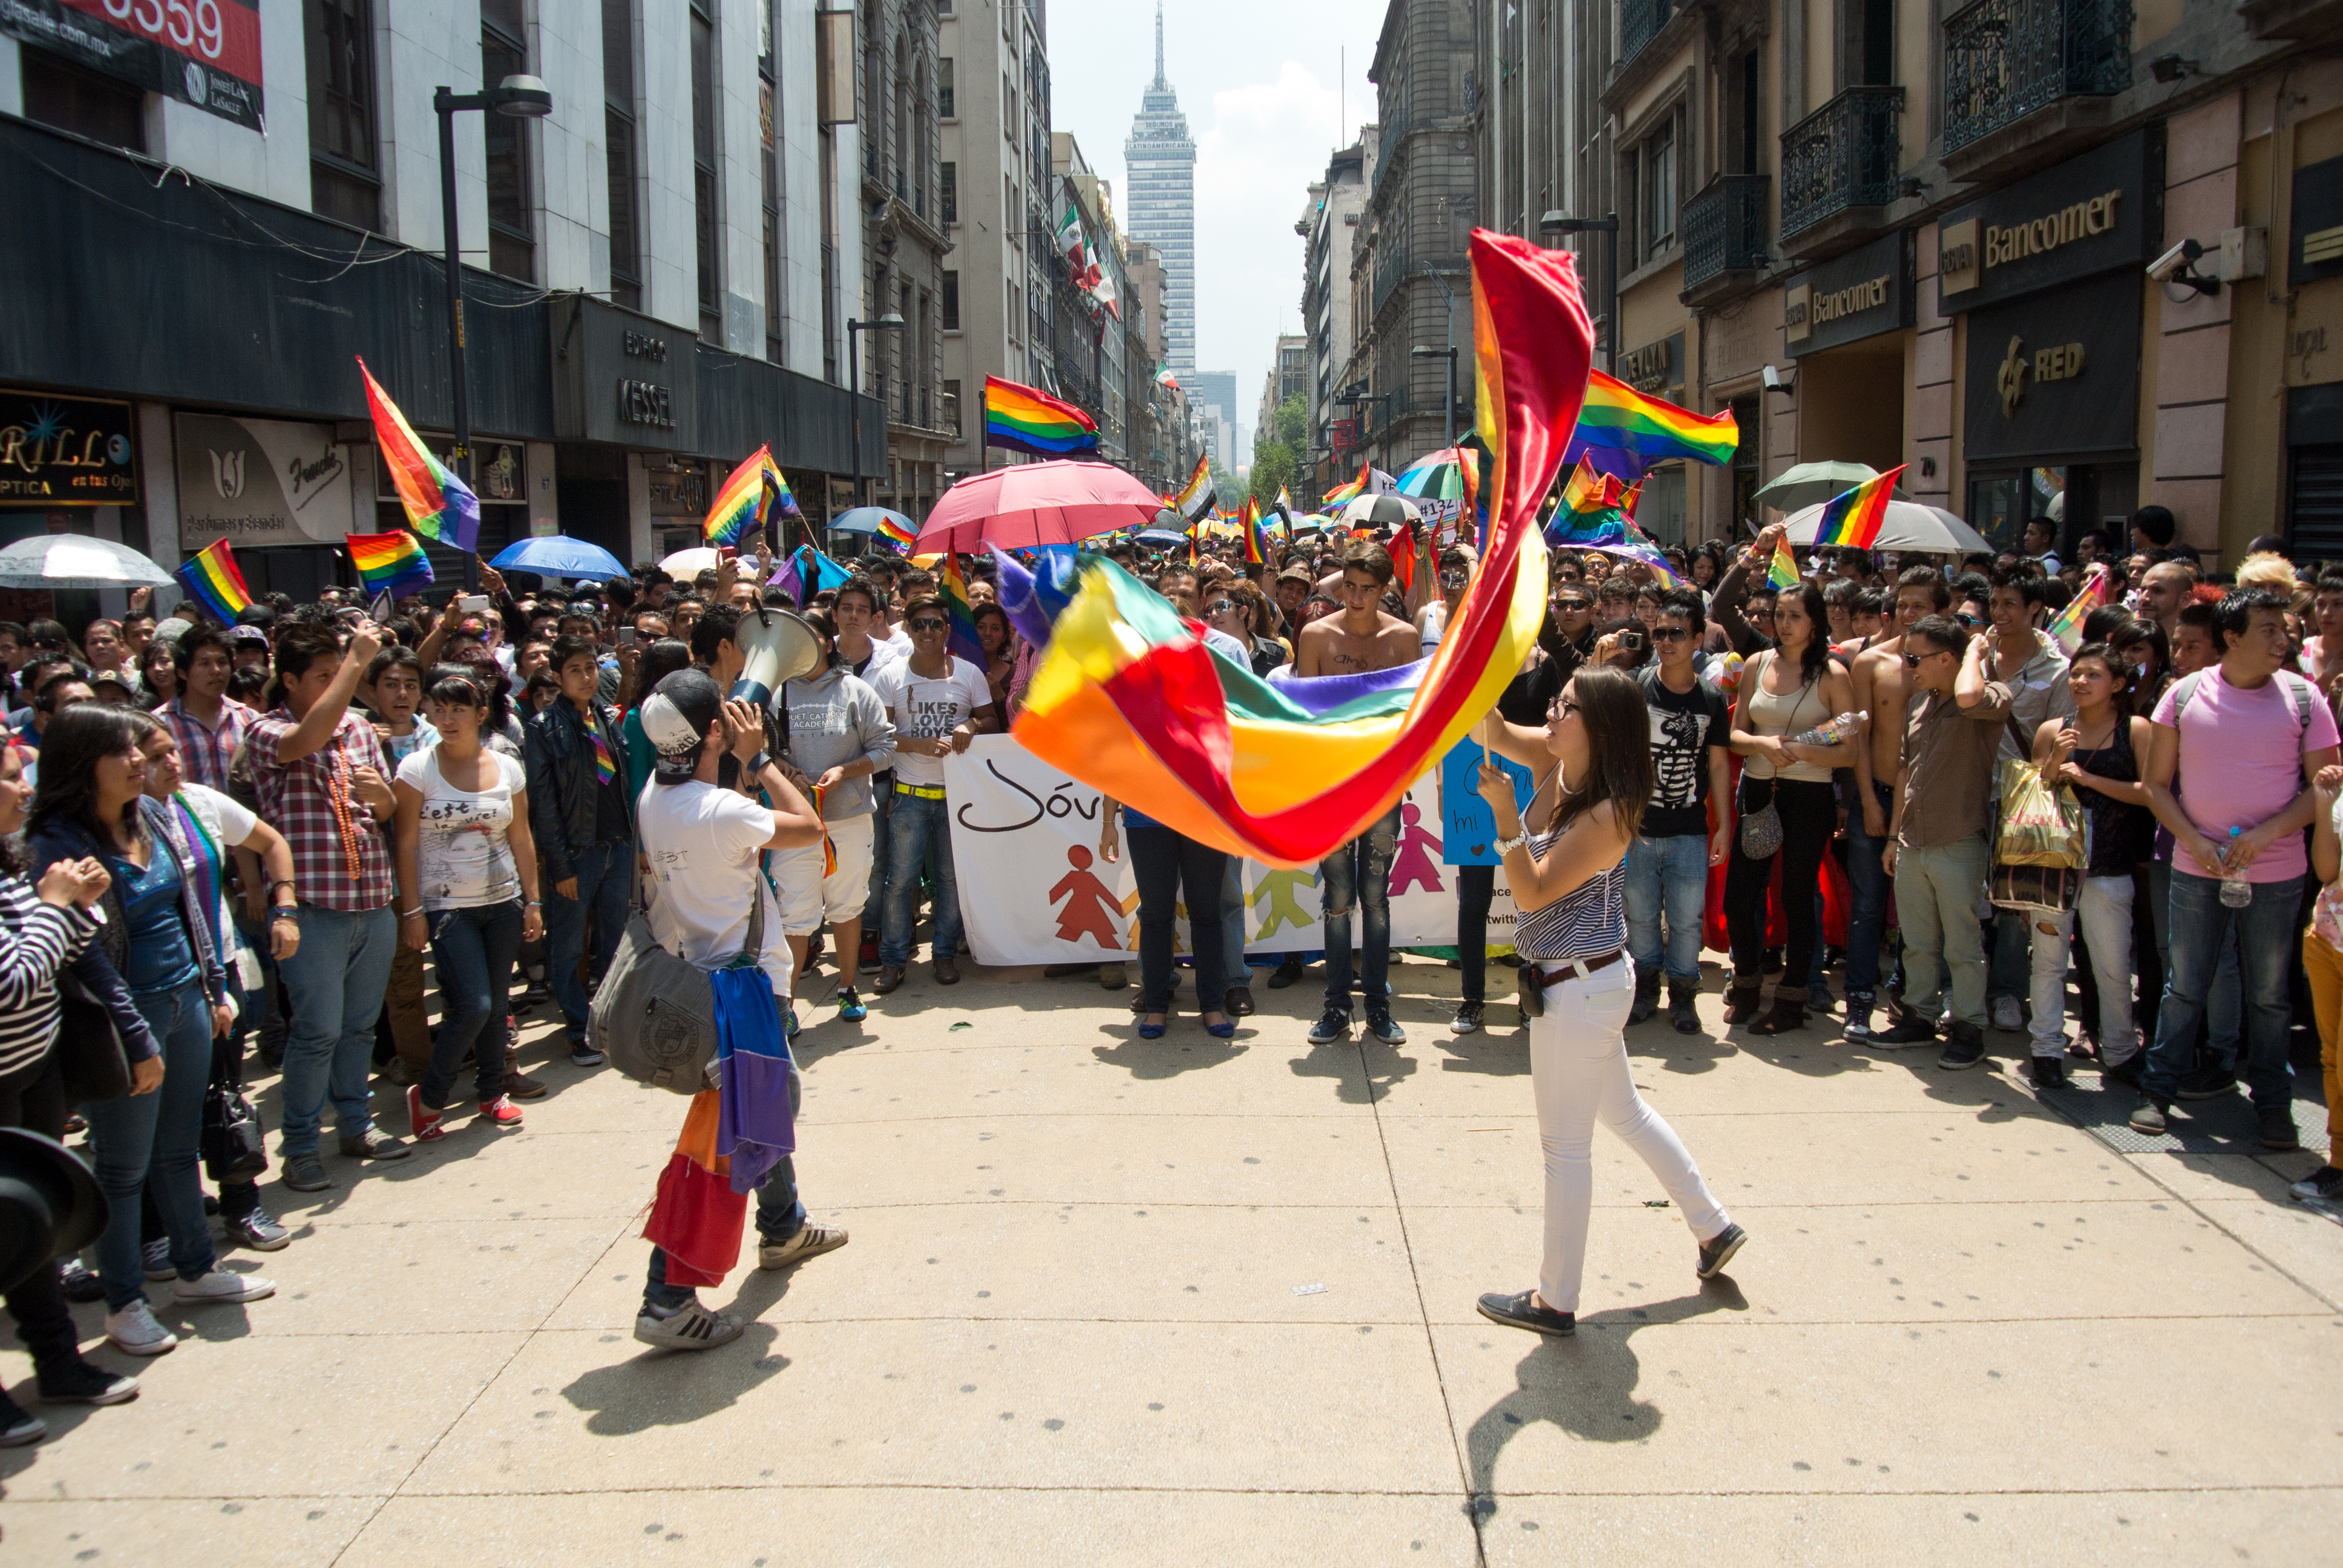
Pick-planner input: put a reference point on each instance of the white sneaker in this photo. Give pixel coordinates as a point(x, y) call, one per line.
point(221, 1286)
point(691, 1327)
point(133, 1331)
point(2008, 1017)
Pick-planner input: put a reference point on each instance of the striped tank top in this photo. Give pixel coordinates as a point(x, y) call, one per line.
point(1586, 922)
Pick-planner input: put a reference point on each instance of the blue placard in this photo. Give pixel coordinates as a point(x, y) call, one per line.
point(1470, 833)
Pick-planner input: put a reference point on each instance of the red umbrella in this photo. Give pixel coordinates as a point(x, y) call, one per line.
point(1032, 504)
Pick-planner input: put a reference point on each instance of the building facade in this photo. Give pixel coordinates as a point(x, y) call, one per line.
point(1161, 160)
point(903, 248)
point(1329, 227)
point(1212, 395)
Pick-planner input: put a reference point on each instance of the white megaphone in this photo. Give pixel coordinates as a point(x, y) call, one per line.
point(780, 646)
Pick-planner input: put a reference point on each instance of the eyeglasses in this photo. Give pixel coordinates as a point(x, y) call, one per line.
point(1573, 605)
point(926, 623)
point(1221, 606)
point(1562, 706)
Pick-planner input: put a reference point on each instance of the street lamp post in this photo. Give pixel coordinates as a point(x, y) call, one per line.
point(891, 322)
point(516, 98)
point(1556, 222)
point(1448, 426)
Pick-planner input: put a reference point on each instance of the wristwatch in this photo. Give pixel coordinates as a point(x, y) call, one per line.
point(1507, 846)
point(756, 764)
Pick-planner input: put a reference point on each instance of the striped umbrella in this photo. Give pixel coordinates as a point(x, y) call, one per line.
point(1437, 476)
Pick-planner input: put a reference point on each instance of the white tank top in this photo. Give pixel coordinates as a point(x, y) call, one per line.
point(1435, 623)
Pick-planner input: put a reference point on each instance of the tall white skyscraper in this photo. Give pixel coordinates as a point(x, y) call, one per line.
point(1161, 205)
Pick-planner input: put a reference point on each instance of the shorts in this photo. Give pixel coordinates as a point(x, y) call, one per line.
point(809, 898)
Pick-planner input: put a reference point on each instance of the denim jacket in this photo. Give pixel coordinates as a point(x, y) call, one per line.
point(562, 803)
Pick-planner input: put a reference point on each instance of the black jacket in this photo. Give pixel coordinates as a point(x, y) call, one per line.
point(563, 792)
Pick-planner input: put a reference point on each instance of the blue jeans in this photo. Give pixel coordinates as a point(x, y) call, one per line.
point(602, 873)
point(1360, 873)
point(780, 1216)
point(882, 799)
point(1866, 883)
point(916, 825)
point(159, 1131)
point(2224, 1005)
point(473, 952)
point(2268, 937)
point(1666, 877)
point(335, 981)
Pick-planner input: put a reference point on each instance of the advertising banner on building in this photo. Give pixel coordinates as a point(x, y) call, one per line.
point(2054, 376)
point(1034, 890)
point(258, 482)
point(206, 52)
point(65, 451)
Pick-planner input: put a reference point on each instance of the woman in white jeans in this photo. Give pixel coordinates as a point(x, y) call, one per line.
point(1569, 879)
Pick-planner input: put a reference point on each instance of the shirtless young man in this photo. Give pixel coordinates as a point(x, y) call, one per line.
point(1359, 640)
point(1882, 689)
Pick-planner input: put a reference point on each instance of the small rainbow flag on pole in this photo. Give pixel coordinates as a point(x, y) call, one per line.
point(440, 506)
point(2067, 626)
point(1852, 521)
point(1591, 510)
point(389, 563)
point(212, 580)
point(953, 588)
point(1618, 417)
point(1354, 489)
point(1024, 419)
point(740, 507)
point(1195, 499)
point(1783, 571)
point(1256, 543)
point(896, 534)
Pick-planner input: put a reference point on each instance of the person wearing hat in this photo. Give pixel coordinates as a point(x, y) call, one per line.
point(704, 846)
point(248, 646)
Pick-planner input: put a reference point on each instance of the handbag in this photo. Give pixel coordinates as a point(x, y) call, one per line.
point(233, 1148)
point(1760, 830)
point(654, 1014)
point(92, 1066)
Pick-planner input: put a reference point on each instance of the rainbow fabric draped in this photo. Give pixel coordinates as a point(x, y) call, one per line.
point(440, 506)
point(389, 563)
point(1024, 419)
point(211, 579)
point(1853, 518)
point(1130, 700)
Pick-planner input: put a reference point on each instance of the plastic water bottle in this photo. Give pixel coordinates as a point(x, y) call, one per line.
point(2235, 892)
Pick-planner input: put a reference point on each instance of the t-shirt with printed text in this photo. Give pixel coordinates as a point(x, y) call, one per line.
point(928, 708)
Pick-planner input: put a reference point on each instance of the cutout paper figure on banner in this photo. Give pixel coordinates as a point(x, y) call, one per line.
point(1090, 904)
point(1418, 859)
point(1275, 893)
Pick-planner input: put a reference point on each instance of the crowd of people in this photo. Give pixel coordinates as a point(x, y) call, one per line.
point(215, 835)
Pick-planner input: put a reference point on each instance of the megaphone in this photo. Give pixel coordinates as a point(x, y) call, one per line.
point(778, 647)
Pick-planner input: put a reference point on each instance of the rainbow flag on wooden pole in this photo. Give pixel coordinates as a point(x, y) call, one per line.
point(212, 580)
point(440, 506)
point(1852, 521)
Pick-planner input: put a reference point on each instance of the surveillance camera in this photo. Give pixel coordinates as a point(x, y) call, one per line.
point(2174, 261)
point(1772, 380)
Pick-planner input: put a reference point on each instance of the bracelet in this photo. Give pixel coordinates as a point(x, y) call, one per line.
point(532, 904)
point(284, 912)
point(411, 915)
point(279, 882)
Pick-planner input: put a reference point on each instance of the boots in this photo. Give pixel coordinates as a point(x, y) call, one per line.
point(1741, 997)
point(1647, 997)
point(1683, 1010)
point(1789, 1011)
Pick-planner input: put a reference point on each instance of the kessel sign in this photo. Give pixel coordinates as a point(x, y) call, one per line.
point(2055, 375)
point(1853, 297)
point(2088, 216)
point(623, 378)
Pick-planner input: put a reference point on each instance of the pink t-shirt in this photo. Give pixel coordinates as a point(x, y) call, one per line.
point(2241, 763)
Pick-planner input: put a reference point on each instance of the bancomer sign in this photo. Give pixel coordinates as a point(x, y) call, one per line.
point(2086, 216)
point(1857, 296)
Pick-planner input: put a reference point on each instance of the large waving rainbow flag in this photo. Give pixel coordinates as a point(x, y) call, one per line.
point(389, 563)
point(439, 505)
point(211, 579)
point(1024, 419)
point(1853, 518)
point(1128, 700)
point(1617, 417)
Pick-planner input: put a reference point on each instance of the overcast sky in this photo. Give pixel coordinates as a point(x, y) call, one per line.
point(1263, 83)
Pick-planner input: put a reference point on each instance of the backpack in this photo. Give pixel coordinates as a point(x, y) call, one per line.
point(654, 1014)
point(2185, 689)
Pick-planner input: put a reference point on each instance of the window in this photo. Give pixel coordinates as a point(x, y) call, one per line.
point(944, 88)
point(703, 172)
point(344, 182)
point(947, 184)
point(512, 235)
point(952, 310)
point(769, 90)
point(1657, 189)
point(59, 93)
point(618, 130)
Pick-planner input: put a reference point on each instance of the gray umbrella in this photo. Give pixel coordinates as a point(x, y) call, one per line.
point(1810, 482)
point(1908, 526)
point(76, 561)
point(1385, 511)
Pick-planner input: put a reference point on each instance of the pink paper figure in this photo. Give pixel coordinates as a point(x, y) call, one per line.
point(1275, 894)
point(1418, 859)
point(1090, 905)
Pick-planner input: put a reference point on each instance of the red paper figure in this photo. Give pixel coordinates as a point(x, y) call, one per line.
point(1090, 905)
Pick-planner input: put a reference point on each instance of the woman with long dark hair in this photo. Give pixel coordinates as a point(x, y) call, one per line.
point(91, 802)
point(1566, 860)
point(1785, 690)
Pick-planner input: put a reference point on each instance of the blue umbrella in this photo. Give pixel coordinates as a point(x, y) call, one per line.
point(560, 556)
point(865, 521)
point(1162, 538)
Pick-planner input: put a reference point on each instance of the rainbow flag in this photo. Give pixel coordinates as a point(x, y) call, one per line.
point(896, 535)
point(1618, 417)
point(1590, 512)
point(1781, 572)
point(2067, 625)
point(740, 507)
point(1023, 420)
point(389, 563)
point(1354, 489)
point(953, 587)
point(211, 579)
point(1130, 701)
point(1646, 557)
point(1196, 499)
point(1256, 541)
point(1853, 520)
point(439, 505)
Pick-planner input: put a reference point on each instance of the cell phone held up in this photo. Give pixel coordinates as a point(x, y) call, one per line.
point(625, 637)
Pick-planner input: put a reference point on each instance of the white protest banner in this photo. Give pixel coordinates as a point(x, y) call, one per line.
point(1034, 890)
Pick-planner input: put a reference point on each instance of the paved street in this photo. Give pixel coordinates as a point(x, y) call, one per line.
point(1071, 1325)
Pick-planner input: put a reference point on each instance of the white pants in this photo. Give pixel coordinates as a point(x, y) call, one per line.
point(1578, 1068)
point(2104, 907)
point(808, 896)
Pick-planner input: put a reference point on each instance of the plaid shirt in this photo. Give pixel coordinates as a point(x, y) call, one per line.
point(204, 753)
point(340, 859)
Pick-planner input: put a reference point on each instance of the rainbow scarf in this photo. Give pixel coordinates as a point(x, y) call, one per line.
point(1195, 499)
point(1852, 519)
point(1130, 701)
point(741, 507)
point(1617, 417)
point(2067, 626)
point(606, 767)
point(212, 580)
point(953, 590)
point(1781, 572)
point(389, 563)
point(439, 505)
point(1024, 419)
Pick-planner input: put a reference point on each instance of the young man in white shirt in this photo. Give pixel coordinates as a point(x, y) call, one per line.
point(704, 845)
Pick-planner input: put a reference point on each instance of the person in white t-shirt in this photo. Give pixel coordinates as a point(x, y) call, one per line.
point(704, 844)
point(938, 703)
point(467, 888)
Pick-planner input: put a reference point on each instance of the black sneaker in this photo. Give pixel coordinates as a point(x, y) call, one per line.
point(79, 1282)
point(2326, 1183)
point(17, 1427)
point(1467, 1019)
point(1719, 1250)
point(2277, 1130)
point(1964, 1050)
point(2205, 1083)
point(2150, 1116)
point(1647, 998)
point(1522, 1312)
point(2049, 1072)
point(1909, 1029)
point(584, 1055)
point(1683, 1006)
point(76, 1381)
point(1285, 974)
point(1381, 1025)
point(2125, 1072)
point(1333, 1024)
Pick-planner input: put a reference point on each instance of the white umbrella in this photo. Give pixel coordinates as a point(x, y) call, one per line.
point(1908, 527)
point(685, 564)
point(76, 561)
point(1386, 510)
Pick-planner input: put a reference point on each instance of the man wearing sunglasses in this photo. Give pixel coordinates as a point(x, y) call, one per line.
point(1669, 859)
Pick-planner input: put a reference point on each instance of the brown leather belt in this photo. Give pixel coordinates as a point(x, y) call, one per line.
point(1543, 976)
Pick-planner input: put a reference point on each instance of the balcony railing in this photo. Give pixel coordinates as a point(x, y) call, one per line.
point(1841, 156)
point(1390, 266)
point(1640, 22)
point(2004, 59)
point(1724, 228)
